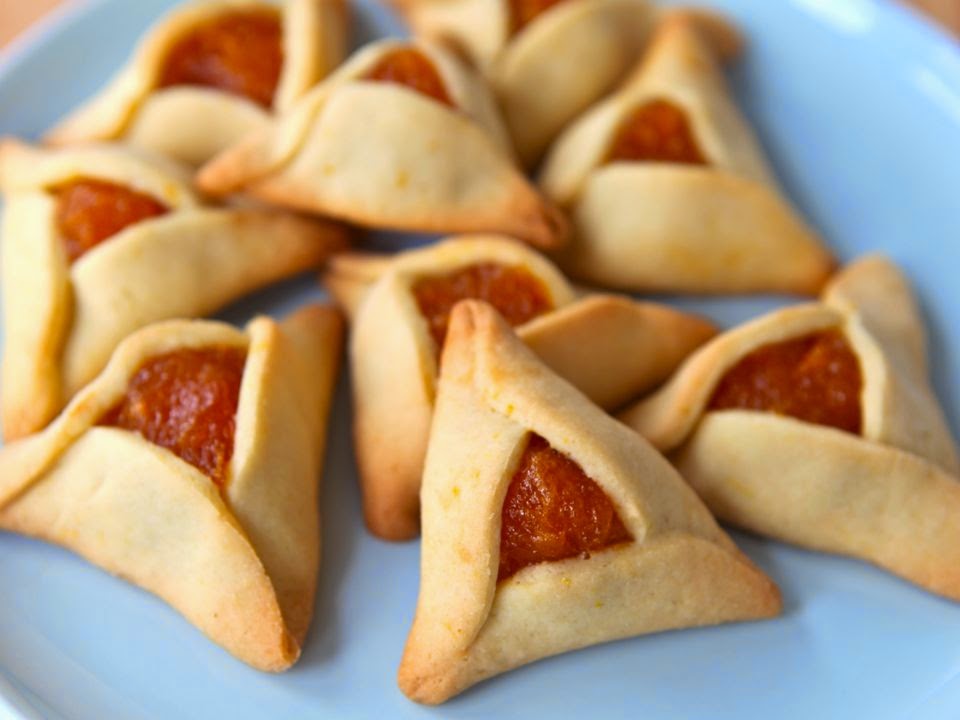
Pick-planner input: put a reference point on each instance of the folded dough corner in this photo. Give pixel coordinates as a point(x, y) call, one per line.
point(661, 561)
point(669, 190)
point(187, 66)
point(403, 136)
point(817, 425)
point(237, 555)
point(77, 281)
point(612, 348)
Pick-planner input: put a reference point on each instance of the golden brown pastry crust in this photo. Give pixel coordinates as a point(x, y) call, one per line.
point(382, 155)
point(681, 570)
point(130, 108)
point(887, 495)
point(613, 349)
point(241, 565)
point(723, 227)
point(63, 320)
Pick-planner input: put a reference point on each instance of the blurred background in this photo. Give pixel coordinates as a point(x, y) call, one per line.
point(17, 15)
point(946, 11)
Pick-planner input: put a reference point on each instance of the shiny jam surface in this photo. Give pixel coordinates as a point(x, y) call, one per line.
point(516, 294)
point(526, 11)
point(186, 401)
point(815, 378)
point(91, 211)
point(657, 131)
point(553, 511)
point(411, 68)
point(240, 53)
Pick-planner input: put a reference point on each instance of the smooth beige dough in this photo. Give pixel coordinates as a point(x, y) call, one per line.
point(614, 349)
point(239, 562)
point(63, 319)
point(679, 570)
point(132, 109)
point(382, 155)
point(650, 225)
point(887, 495)
point(548, 72)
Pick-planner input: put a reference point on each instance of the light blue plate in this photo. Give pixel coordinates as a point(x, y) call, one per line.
point(858, 103)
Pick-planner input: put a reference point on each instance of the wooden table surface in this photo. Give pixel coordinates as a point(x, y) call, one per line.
point(16, 15)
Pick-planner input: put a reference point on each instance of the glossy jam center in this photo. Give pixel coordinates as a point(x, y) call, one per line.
point(815, 378)
point(657, 131)
point(91, 211)
point(514, 292)
point(525, 11)
point(186, 401)
point(553, 511)
point(240, 53)
point(412, 69)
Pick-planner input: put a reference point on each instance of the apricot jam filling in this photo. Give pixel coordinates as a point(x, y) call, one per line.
point(186, 401)
point(516, 294)
point(240, 53)
point(553, 511)
point(815, 378)
point(657, 131)
point(523, 12)
point(91, 211)
point(411, 68)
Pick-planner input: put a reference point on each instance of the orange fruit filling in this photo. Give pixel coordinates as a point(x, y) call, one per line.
point(815, 378)
point(240, 53)
point(411, 68)
point(91, 211)
point(186, 401)
point(516, 294)
point(657, 131)
point(553, 511)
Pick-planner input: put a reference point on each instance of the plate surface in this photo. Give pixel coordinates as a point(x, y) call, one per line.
point(858, 103)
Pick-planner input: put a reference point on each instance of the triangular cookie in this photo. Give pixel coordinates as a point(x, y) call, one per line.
point(523, 469)
point(612, 348)
point(817, 425)
point(233, 63)
point(403, 136)
point(99, 241)
point(668, 188)
point(222, 525)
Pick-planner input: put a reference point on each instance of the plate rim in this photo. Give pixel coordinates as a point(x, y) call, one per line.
point(922, 30)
